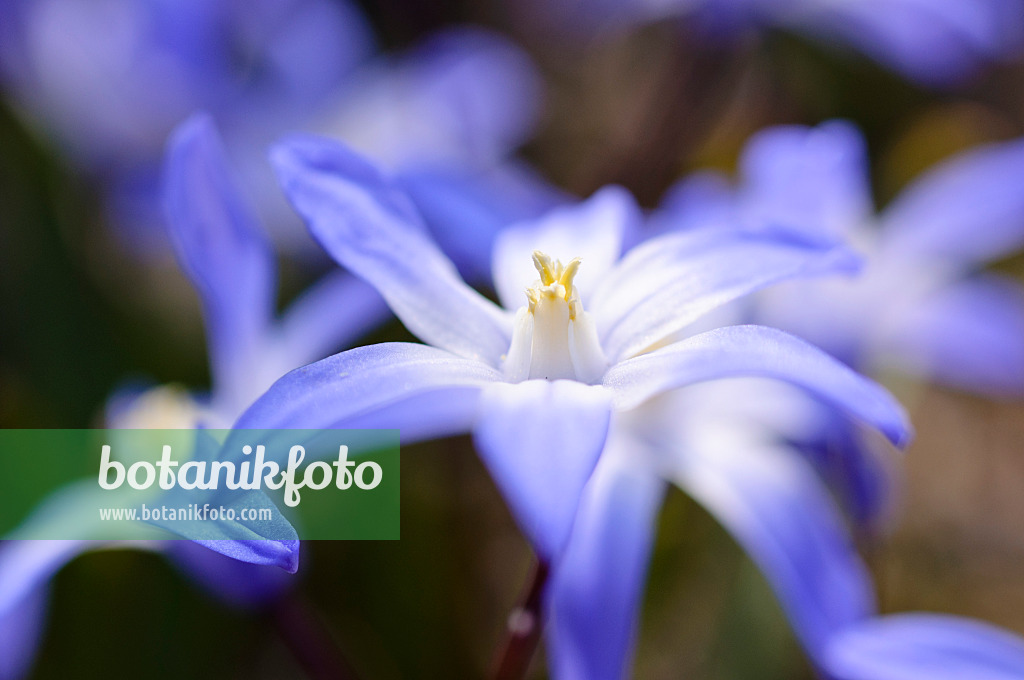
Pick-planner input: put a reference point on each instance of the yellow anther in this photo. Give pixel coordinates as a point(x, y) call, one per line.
point(546, 267)
point(532, 298)
point(554, 338)
point(568, 274)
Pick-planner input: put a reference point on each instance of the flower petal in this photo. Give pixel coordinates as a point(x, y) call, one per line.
point(464, 96)
point(917, 646)
point(373, 229)
point(222, 250)
point(418, 389)
point(937, 43)
point(21, 632)
point(854, 466)
point(812, 180)
point(969, 335)
point(237, 582)
point(670, 281)
point(26, 567)
point(771, 501)
point(701, 200)
point(592, 230)
point(465, 211)
point(541, 440)
point(596, 585)
point(757, 351)
point(967, 210)
point(331, 315)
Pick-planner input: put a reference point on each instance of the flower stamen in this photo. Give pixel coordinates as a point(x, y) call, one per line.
point(553, 337)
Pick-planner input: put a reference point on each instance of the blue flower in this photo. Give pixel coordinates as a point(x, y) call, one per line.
point(708, 441)
point(732, 448)
point(537, 381)
point(550, 384)
point(229, 262)
point(110, 80)
point(920, 305)
point(934, 43)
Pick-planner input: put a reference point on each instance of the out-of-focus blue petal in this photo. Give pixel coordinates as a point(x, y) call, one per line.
point(239, 583)
point(852, 466)
point(488, 86)
point(352, 389)
point(780, 512)
point(368, 225)
point(299, 50)
point(330, 315)
point(670, 281)
point(967, 210)
point(592, 230)
point(277, 553)
point(541, 440)
point(812, 180)
point(596, 585)
point(702, 200)
point(21, 632)
point(925, 646)
point(757, 351)
point(466, 95)
point(465, 209)
point(26, 566)
point(969, 335)
point(221, 249)
point(935, 42)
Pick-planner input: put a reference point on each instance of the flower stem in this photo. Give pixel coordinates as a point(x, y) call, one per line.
point(310, 642)
point(525, 625)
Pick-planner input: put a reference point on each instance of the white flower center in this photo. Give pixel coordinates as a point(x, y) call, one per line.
point(554, 338)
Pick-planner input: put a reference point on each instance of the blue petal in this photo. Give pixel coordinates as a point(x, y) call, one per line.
point(373, 229)
point(702, 200)
point(592, 230)
point(935, 43)
point(757, 351)
point(423, 391)
point(329, 316)
point(334, 36)
point(220, 247)
point(26, 567)
point(263, 542)
point(465, 210)
point(465, 96)
point(773, 503)
point(670, 281)
point(541, 440)
point(482, 90)
point(21, 633)
point(239, 583)
point(811, 180)
point(852, 465)
point(969, 335)
point(597, 583)
point(925, 647)
point(283, 554)
point(967, 210)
